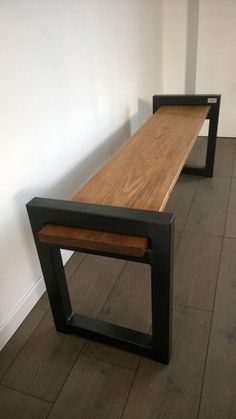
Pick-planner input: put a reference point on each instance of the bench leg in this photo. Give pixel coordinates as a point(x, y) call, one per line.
point(208, 169)
point(56, 285)
point(211, 143)
point(213, 115)
point(157, 227)
point(162, 293)
point(53, 272)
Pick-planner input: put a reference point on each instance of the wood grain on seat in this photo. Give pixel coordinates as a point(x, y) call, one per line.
point(140, 175)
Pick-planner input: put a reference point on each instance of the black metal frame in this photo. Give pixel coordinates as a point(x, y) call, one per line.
point(213, 116)
point(157, 227)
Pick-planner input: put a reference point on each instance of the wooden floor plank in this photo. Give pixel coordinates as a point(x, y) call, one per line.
point(94, 389)
point(209, 207)
point(181, 199)
point(224, 158)
point(43, 302)
point(196, 270)
point(73, 263)
point(177, 235)
point(130, 298)
point(234, 167)
point(20, 337)
point(70, 267)
point(173, 391)
point(198, 153)
point(129, 306)
point(219, 391)
point(21, 406)
point(91, 285)
point(43, 364)
point(230, 228)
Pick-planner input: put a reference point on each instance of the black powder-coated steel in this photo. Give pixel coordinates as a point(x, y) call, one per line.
point(157, 227)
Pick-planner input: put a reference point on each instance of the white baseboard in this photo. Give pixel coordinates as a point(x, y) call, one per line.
point(24, 306)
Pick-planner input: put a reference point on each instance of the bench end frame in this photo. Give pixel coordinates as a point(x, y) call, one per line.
point(157, 227)
point(213, 115)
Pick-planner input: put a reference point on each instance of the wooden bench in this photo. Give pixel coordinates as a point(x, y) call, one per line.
point(120, 213)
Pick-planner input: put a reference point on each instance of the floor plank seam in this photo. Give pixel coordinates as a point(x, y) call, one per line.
point(21, 349)
point(209, 338)
point(109, 294)
point(130, 390)
point(227, 210)
point(229, 238)
point(220, 177)
point(183, 229)
point(180, 236)
point(210, 234)
point(85, 342)
point(67, 280)
point(193, 307)
point(26, 394)
point(190, 206)
point(64, 381)
point(109, 362)
point(221, 236)
point(76, 268)
point(234, 162)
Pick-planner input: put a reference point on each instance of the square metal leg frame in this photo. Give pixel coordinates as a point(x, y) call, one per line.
point(213, 116)
point(157, 227)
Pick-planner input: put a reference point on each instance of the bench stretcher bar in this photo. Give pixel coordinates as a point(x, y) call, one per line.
point(156, 227)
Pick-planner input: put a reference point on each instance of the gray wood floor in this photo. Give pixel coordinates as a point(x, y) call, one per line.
point(44, 374)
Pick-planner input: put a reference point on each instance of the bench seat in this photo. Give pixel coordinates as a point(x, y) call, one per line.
point(140, 175)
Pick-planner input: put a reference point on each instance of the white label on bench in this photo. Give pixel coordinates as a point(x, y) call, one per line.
point(212, 100)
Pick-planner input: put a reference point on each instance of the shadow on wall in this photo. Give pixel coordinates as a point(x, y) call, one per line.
point(75, 179)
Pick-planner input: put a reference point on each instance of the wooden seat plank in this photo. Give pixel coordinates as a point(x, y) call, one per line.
point(140, 175)
point(93, 240)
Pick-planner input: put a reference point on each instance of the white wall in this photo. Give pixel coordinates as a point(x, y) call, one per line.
point(199, 38)
point(191, 45)
point(216, 58)
point(174, 45)
point(76, 78)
